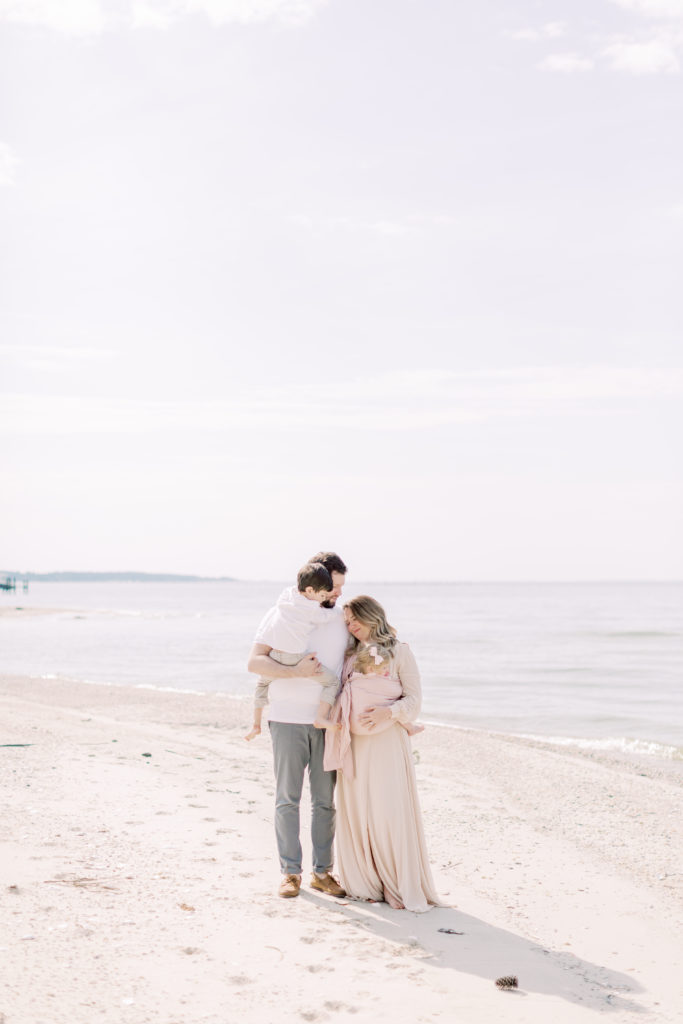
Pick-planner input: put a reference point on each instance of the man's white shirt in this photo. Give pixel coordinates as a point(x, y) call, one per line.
point(296, 699)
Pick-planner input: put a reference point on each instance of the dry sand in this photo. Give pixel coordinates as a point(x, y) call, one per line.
point(143, 888)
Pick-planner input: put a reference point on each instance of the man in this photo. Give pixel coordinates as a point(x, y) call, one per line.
point(297, 744)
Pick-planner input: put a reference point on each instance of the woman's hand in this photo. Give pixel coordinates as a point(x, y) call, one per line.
point(374, 716)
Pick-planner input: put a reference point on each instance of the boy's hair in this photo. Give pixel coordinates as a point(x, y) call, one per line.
point(331, 561)
point(314, 574)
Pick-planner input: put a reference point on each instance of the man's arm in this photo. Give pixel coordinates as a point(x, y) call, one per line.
point(262, 665)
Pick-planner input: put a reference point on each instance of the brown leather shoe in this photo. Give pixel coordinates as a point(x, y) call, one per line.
point(327, 884)
point(289, 886)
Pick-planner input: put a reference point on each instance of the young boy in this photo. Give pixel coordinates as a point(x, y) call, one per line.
point(287, 627)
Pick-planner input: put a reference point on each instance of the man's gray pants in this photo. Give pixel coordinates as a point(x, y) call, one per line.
point(296, 748)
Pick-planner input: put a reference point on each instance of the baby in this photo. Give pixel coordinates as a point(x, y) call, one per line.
point(287, 627)
point(373, 659)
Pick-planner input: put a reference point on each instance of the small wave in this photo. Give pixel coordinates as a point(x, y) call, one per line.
point(639, 633)
point(170, 689)
point(194, 693)
point(623, 744)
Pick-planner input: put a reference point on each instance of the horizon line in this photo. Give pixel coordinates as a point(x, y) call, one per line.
point(197, 577)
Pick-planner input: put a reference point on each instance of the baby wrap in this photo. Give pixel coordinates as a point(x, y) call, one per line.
point(359, 692)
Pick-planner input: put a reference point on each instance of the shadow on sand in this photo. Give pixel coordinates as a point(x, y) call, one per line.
point(490, 952)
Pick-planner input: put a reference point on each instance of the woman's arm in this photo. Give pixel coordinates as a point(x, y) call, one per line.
point(407, 707)
point(262, 665)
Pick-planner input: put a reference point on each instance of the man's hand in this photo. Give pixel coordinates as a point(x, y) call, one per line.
point(260, 664)
point(308, 666)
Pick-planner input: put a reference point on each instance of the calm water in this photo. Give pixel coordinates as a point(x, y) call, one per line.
point(597, 663)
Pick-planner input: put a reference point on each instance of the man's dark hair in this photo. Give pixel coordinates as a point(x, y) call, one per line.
point(315, 575)
point(331, 561)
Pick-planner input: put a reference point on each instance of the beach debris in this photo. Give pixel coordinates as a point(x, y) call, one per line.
point(507, 981)
point(185, 906)
point(146, 755)
point(80, 883)
point(16, 744)
point(13, 889)
point(451, 931)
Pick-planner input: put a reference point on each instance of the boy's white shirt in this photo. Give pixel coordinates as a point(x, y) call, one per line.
point(289, 623)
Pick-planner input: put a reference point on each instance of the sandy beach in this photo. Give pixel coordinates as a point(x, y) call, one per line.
point(139, 877)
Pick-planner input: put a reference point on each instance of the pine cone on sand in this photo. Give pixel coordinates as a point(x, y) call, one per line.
point(508, 981)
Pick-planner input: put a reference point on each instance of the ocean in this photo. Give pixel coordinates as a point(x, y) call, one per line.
point(590, 664)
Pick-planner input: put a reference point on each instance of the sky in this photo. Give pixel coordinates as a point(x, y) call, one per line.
point(396, 278)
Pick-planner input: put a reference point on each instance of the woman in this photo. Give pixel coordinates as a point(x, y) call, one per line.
point(381, 850)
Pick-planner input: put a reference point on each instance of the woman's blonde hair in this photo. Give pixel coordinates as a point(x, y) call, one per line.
point(382, 636)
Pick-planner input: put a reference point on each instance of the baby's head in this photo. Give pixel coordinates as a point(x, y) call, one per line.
point(315, 582)
point(372, 658)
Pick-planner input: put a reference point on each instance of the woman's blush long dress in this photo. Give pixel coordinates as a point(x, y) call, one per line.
point(381, 848)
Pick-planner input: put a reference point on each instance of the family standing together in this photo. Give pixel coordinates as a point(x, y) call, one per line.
point(343, 694)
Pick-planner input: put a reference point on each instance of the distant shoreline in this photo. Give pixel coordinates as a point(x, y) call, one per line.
point(112, 577)
point(150, 577)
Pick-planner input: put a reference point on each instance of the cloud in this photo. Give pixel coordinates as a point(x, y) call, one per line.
point(669, 9)
point(644, 58)
point(396, 402)
point(162, 13)
point(90, 17)
point(654, 49)
point(8, 164)
point(396, 226)
point(45, 358)
point(72, 17)
point(567, 63)
point(551, 30)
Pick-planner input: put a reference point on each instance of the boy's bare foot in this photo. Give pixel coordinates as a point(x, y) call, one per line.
point(256, 731)
point(325, 723)
point(413, 729)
